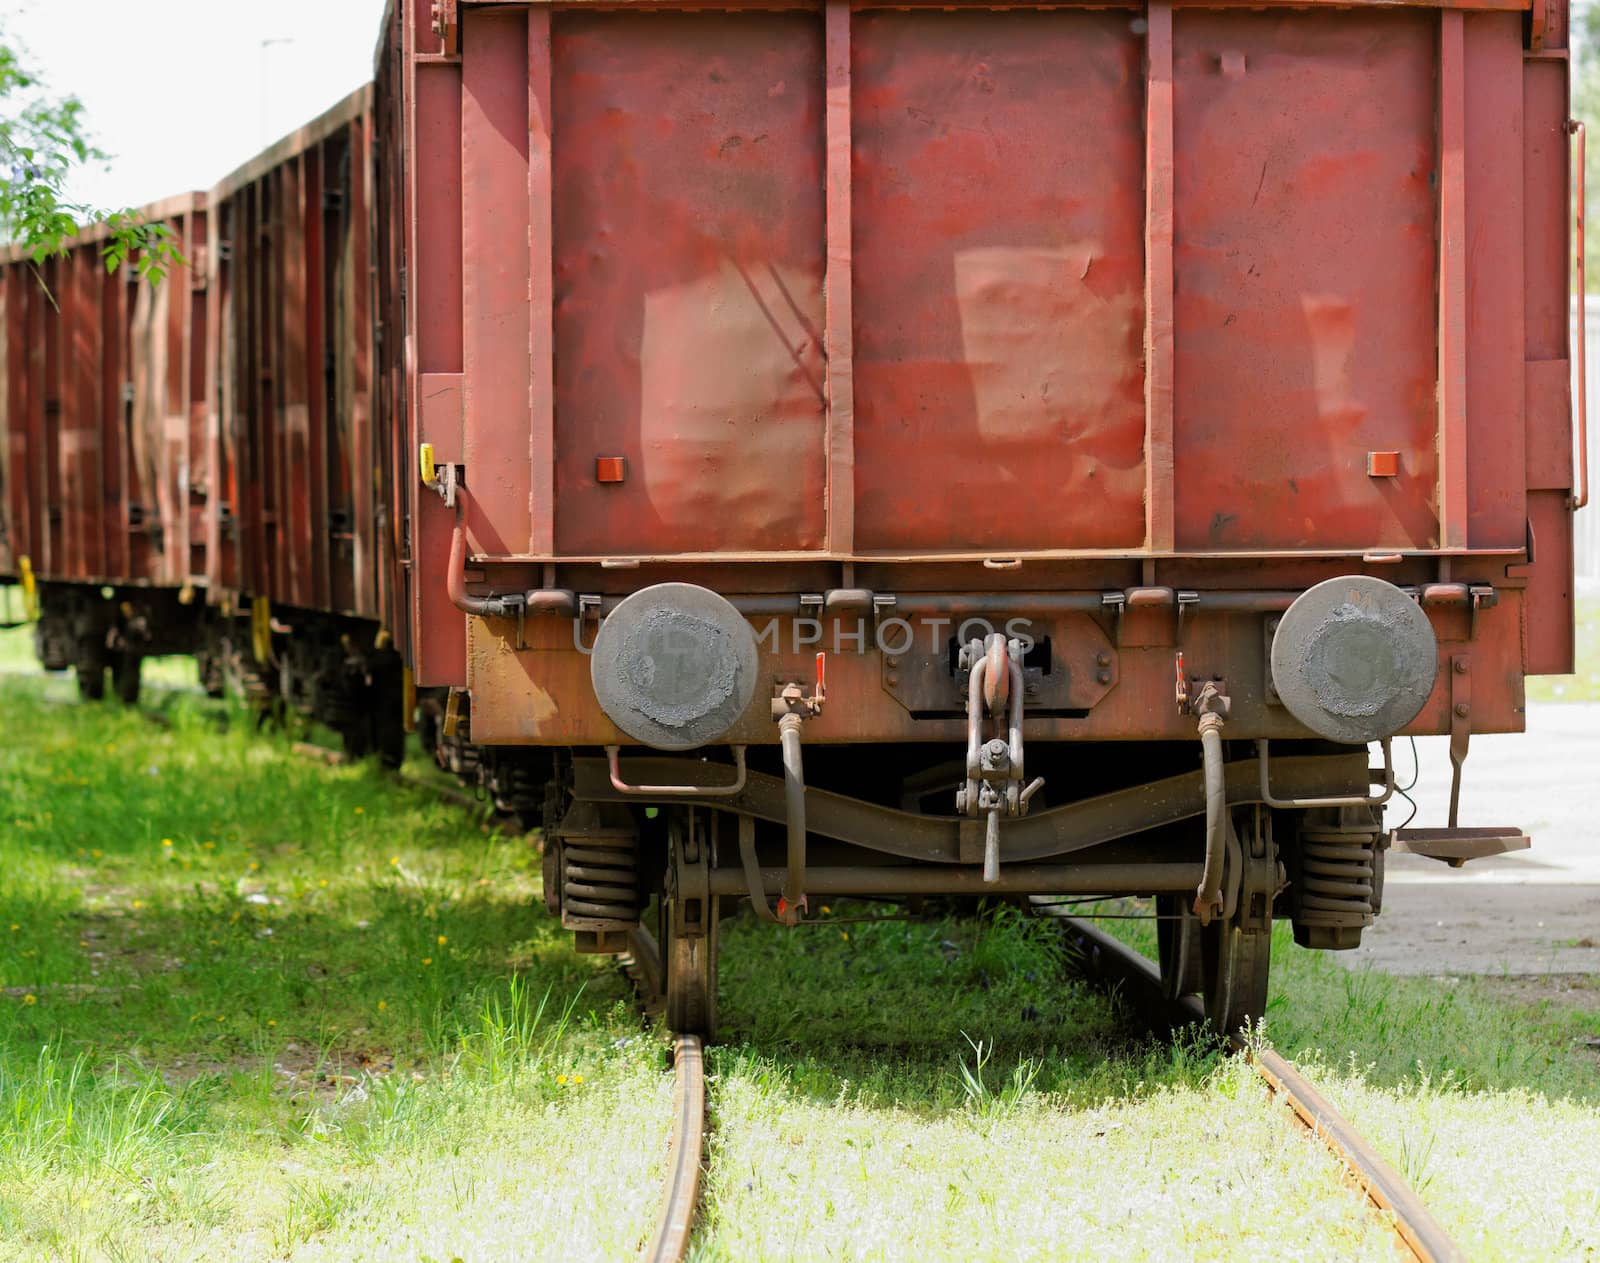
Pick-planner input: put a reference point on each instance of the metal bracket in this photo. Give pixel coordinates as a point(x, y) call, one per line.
point(1346, 800)
point(691, 880)
point(1116, 603)
point(1460, 725)
point(1479, 597)
point(1185, 601)
point(736, 787)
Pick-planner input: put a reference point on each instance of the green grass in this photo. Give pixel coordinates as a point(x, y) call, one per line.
point(331, 1021)
point(253, 1007)
point(853, 1105)
point(1584, 684)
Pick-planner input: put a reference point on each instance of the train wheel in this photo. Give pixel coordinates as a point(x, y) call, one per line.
point(1236, 949)
point(1178, 947)
point(125, 676)
point(689, 928)
point(1237, 965)
point(91, 672)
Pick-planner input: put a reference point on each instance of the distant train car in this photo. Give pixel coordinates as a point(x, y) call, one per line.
point(981, 450)
point(103, 417)
point(301, 534)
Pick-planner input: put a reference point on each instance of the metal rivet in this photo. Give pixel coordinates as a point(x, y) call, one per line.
point(1462, 709)
point(1105, 677)
point(1461, 666)
point(1104, 660)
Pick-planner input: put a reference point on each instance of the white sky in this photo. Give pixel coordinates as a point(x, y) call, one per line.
point(181, 92)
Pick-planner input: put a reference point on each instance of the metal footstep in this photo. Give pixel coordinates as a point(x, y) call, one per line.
point(1456, 846)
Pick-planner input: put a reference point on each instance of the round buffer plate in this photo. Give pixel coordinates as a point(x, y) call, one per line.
point(1354, 659)
point(674, 666)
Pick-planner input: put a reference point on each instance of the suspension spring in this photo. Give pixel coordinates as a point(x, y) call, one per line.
point(1338, 872)
point(600, 881)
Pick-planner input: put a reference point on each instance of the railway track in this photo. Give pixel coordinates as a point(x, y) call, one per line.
point(686, 1147)
point(1107, 961)
point(1139, 983)
point(1112, 963)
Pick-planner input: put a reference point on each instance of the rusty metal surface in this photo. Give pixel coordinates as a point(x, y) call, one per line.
point(296, 452)
point(1354, 659)
point(1306, 263)
point(782, 296)
point(542, 693)
point(1063, 830)
point(674, 666)
point(102, 408)
point(998, 204)
point(688, 218)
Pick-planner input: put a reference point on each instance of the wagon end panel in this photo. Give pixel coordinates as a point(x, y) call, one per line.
point(688, 266)
point(998, 225)
point(1305, 267)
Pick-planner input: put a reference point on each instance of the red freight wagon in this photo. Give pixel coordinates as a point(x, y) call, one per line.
point(302, 528)
point(1172, 399)
point(103, 459)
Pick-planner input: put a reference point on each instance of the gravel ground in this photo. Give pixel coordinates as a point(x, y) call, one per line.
point(1528, 913)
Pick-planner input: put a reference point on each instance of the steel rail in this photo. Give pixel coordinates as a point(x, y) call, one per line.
point(682, 1189)
point(1110, 961)
point(685, 1149)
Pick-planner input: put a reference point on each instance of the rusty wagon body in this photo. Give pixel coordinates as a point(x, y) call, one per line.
point(103, 425)
point(1012, 373)
point(803, 447)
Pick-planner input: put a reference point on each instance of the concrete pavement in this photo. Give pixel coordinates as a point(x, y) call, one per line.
point(1530, 912)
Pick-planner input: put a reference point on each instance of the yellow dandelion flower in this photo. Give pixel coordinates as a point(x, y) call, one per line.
point(138, 903)
point(826, 910)
point(394, 859)
point(323, 882)
point(427, 960)
point(361, 811)
point(222, 1017)
point(15, 927)
point(30, 999)
point(254, 866)
point(210, 846)
point(561, 1079)
point(83, 942)
point(166, 841)
point(272, 1021)
point(577, 1078)
point(845, 934)
point(443, 940)
point(382, 1005)
point(97, 854)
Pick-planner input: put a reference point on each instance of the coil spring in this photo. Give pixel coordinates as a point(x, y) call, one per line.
point(600, 879)
point(1337, 878)
point(516, 789)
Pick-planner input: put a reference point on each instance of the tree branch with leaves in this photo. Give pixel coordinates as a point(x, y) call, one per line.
point(43, 139)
